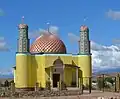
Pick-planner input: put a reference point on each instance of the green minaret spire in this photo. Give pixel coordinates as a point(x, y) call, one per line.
point(23, 41)
point(84, 42)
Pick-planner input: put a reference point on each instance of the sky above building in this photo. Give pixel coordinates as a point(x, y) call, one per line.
point(65, 18)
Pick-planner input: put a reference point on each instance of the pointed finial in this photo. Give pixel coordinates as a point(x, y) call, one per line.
point(85, 18)
point(48, 26)
point(23, 19)
point(22, 25)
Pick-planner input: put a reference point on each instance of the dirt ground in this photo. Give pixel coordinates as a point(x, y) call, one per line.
point(93, 95)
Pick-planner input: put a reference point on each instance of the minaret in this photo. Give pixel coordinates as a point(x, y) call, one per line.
point(84, 42)
point(23, 41)
point(23, 70)
point(84, 58)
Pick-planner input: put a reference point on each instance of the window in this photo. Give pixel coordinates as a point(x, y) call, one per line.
point(24, 42)
point(86, 49)
point(85, 36)
point(20, 48)
point(24, 49)
point(86, 43)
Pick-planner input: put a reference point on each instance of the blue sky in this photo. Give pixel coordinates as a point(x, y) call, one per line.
point(68, 15)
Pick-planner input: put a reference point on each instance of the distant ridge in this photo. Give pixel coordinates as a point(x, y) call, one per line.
point(106, 71)
point(4, 75)
point(109, 71)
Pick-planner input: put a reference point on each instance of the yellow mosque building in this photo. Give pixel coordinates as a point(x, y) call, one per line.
point(46, 59)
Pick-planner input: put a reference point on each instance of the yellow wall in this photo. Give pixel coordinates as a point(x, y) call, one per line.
point(75, 60)
point(14, 71)
point(33, 73)
point(23, 71)
point(84, 61)
point(47, 74)
point(49, 59)
point(68, 76)
point(31, 69)
point(40, 64)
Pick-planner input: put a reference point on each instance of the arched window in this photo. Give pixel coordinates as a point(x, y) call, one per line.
point(58, 65)
point(58, 62)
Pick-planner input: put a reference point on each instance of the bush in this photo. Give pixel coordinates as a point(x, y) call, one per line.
point(48, 85)
point(63, 86)
point(103, 83)
point(6, 83)
point(110, 80)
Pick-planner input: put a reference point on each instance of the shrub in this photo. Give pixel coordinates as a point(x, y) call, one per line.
point(6, 83)
point(63, 86)
point(48, 85)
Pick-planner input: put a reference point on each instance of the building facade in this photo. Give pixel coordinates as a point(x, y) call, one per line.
point(47, 60)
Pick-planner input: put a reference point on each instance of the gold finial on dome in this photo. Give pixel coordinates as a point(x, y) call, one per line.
point(48, 30)
point(48, 24)
point(22, 25)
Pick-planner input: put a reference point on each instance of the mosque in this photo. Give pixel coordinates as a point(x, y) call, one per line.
point(46, 59)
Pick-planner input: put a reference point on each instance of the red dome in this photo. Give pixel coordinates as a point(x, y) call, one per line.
point(48, 43)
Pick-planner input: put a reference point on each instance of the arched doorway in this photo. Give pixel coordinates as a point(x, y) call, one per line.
point(57, 71)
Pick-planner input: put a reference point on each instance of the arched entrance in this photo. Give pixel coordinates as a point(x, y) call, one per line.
point(58, 71)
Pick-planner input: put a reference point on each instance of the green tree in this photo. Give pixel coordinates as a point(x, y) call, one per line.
point(6, 83)
point(100, 82)
point(110, 80)
point(103, 83)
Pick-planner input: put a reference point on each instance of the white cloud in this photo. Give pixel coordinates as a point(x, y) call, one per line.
point(1, 12)
point(6, 72)
point(34, 34)
point(115, 15)
point(52, 29)
point(3, 45)
point(103, 57)
point(73, 38)
point(97, 47)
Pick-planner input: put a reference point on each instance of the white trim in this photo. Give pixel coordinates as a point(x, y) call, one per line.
point(57, 54)
point(83, 55)
point(22, 54)
point(38, 55)
point(70, 55)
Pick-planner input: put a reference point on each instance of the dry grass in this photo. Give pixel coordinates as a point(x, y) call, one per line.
point(2, 80)
point(93, 95)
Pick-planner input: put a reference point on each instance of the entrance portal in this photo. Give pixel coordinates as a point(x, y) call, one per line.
point(56, 78)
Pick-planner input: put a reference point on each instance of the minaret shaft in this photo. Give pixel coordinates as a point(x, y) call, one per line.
point(84, 43)
point(23, 41)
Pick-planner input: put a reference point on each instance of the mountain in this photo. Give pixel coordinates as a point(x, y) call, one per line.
point(110, 70)
point(6, 75)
